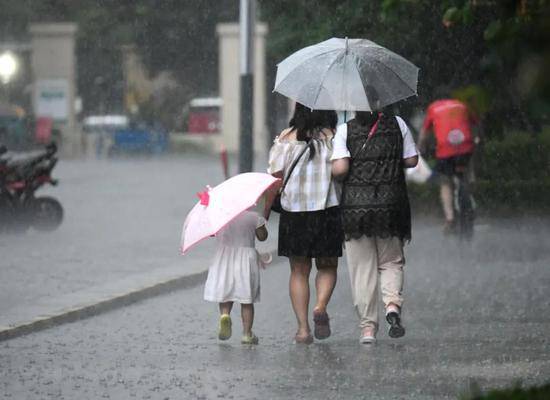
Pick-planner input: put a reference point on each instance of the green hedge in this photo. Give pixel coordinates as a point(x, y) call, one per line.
point(534, 393)
point(492, 197)
point(516, 195)
point(517, 156)
point(513, 175)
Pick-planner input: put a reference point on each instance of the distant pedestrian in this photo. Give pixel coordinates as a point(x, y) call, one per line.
point(451, 122)
point(310, 224)
point(234, 275)
point(370, 153)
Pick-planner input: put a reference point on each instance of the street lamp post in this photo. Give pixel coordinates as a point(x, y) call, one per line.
point(247, 30)
point(8, 68)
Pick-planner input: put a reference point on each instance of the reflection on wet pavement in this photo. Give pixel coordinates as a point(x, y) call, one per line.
point(474, 316)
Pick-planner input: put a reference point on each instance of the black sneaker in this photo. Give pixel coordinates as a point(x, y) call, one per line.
point(396, 329)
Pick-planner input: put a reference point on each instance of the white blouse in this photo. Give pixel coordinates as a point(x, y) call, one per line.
point(340, 141)
point(310, 186)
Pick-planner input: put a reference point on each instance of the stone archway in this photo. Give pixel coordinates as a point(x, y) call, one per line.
point(229, 83)
point(54, 80)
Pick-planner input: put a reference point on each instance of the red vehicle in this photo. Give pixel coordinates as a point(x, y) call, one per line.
point(204, 115)
point(21, 175)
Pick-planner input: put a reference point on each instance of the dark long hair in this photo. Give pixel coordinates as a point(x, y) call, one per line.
point(309, 124)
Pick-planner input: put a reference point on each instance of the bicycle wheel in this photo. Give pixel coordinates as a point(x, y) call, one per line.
point(465, 212)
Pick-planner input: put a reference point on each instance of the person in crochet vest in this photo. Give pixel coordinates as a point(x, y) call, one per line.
point(370, 154)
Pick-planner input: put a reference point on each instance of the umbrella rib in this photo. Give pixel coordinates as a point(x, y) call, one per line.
point(324, 77)
point(299, 65)
point(393, 72)
point(312, 57)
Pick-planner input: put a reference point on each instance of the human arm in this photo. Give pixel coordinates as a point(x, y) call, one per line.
point(422, 138)
point(261, 230)
point(425, 131)
point(410, 162)
point(278, 155)
point(475, 126)
point(410, 153)
point(340, 168)
point(340, 153)
point(269, 197)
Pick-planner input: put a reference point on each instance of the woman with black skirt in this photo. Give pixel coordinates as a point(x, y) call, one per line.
point(310, 226)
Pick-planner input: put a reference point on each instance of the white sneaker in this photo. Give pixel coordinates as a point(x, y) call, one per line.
point(368, 335)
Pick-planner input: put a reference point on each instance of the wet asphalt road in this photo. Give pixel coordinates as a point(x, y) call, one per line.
point(123, 217)
point(475, 314)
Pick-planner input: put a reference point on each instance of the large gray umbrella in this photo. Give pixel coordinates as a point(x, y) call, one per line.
point(346, 74)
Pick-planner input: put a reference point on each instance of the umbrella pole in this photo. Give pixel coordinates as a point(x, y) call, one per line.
point(224, 161)
point(247, 14)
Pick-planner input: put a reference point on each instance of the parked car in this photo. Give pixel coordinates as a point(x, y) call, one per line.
point(99, 132)
point(139, 139)
point(204, 115)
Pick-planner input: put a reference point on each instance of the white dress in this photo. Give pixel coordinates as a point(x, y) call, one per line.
point(234, 275)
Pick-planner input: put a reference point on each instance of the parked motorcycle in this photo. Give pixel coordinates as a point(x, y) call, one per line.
point(21, 175)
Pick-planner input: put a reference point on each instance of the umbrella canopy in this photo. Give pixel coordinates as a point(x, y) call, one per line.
point(347, 75)
point(218, 206)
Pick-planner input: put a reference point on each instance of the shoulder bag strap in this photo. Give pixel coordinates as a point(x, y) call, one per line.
point(292, 168)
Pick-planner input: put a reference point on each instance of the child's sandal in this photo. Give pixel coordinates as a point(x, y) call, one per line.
point(250, 339)
point(224, 329)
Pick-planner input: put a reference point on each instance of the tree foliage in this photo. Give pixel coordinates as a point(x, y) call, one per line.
point(494, 54)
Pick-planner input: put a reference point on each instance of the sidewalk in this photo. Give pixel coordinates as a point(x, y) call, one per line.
point(119, 241)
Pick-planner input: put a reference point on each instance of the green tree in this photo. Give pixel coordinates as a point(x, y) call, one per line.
point(494, 54)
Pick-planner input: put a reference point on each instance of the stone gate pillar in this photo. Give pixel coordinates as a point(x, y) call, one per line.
point(230, 90)
point(54, 80)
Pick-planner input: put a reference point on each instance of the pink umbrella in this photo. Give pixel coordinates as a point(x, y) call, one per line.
point(218, 206)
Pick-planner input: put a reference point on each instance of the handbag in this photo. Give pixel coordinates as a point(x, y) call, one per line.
point(276, 204)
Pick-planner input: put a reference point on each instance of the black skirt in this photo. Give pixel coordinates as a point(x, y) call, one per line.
point(311, 233)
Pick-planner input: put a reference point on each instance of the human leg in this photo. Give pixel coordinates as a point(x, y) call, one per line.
point(445, 168)
point(362, 262)
point(225, 308)
point(247, 315)
point(391, 261)
point(300, 268)
point(446, 196)
point(325, 281)
point(390, 266)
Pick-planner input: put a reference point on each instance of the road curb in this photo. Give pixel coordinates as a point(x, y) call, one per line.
point(100, 306)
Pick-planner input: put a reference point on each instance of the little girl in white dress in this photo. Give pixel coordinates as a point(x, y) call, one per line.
point(234, 275)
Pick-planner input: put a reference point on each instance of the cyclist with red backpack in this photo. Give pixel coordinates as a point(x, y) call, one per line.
point(451, 122)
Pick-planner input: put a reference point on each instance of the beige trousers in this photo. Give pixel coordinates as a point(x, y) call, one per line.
point(374, 262)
